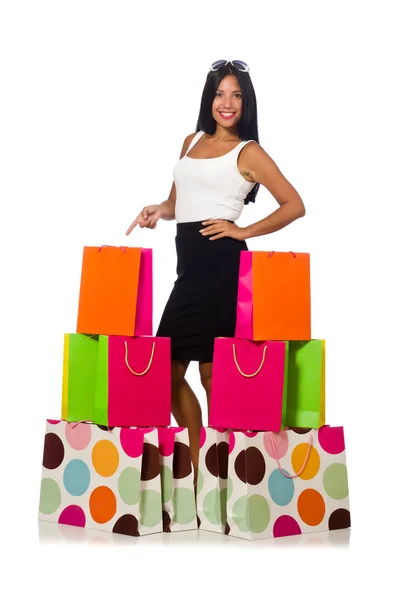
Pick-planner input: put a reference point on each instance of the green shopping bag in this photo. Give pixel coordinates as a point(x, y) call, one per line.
point(80, 359)
point(306, 384)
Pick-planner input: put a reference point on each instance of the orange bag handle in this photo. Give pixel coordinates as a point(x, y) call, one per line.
point(106, 246)
point(274, 252)
point(147, 368)
point(238, 366)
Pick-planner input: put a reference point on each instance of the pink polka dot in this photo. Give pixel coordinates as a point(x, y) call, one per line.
point(53, 421)
point(145, 429)
point(132, 441)
point(286, 525)
point(221, 429)
point(232, 442)
point(166, 441)
point(250, 434)
point(72, 515)
point(203, 437)
point(178, 429)
point(280, 441)
point(331, 439)
point(78, 435)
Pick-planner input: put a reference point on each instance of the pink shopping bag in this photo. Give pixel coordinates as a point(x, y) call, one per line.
point(249, 384)
point(144, 305)
point(139, 381)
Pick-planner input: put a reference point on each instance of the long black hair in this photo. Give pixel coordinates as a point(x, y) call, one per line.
point(247, 126)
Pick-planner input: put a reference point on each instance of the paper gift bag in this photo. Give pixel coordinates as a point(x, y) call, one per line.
point(179, 504)
point(116, 296)
point(273, 301)
point(133, 382)
point(212, 479)
point(101, 479)
point(287, 483)
point(306, 384)
point(80, 358)
point(249, 384)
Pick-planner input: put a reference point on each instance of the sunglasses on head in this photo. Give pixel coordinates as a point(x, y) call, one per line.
point(239, 64)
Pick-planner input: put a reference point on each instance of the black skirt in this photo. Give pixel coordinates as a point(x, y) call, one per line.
point(203, 302)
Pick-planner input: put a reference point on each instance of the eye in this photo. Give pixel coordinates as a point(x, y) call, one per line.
point(236, 94)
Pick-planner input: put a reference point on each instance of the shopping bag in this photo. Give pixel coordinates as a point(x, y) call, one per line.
point(177, 488)
point(287, 483)
point(306, 384)
point(80, 358)
point(249, 384)
point(101, 479)
point(212, 479)
point(133, 382)
point(116, 296)
point(273, 301)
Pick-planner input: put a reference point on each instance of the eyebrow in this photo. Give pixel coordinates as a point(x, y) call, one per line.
point(233, 92)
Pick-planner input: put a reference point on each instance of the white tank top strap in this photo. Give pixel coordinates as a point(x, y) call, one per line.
point(194, 140)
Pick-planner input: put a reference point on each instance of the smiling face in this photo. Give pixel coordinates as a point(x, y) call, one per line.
point(228, 102)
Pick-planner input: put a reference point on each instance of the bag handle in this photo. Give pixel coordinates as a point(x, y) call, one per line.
point(238, 366)
point(309, 445)
point(147, 368)
point(274, 252)
point(106, 246)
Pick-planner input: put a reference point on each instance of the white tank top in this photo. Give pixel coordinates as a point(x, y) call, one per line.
point(209, 188)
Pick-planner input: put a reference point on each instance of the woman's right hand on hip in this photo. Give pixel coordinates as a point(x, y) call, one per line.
point(148, 217)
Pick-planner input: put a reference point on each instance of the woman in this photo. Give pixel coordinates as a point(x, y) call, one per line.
point(220, 168)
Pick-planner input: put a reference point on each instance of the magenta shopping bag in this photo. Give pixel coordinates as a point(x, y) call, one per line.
point(245, 319)
point(144, 305)
point(249, 384)
point(139, 381)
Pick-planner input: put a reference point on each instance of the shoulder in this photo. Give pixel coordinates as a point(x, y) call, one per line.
point(187, 141)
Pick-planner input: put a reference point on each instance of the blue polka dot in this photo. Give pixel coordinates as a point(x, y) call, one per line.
point(76, 477)
point(281, 488)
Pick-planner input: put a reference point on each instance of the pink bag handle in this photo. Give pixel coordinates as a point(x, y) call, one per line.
point(309, 445)
point(106, 246)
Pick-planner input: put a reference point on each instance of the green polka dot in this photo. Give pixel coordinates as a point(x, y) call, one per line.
point(129, 485)
point(151, 509)
point(50, 496)
point(212, 507)
point(200, 481)
point(184, 506)
point(259, 513)
point(229, 488)
point(335, 481)
point(166, 483)
point(223, 498)
point(240, 514)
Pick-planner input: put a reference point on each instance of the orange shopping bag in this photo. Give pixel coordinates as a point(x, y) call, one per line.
point(109, 285)
point(281, 296)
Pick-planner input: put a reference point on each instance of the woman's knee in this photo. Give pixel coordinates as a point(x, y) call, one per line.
point(178, 371)
point(206, 376)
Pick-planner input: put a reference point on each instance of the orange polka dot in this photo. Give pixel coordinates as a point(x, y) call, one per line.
point(105, 458)
point(311, 507)
point(102, 504)
point(298, 460)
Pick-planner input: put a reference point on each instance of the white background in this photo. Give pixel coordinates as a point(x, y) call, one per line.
point(96, 100)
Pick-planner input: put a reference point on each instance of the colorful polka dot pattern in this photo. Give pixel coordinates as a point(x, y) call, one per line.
point(102, 479)
point(262, 502)
point(212, 481)
point(178, 501)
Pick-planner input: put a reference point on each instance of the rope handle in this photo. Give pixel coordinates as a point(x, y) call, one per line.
point(106, 246)
point(238, 366)
point(274, 252)
point(147, 368)
point(309, 445)
point(75, 423)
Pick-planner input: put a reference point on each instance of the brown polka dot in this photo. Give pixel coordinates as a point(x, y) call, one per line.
point(339, 519)
point(211, 460)
point(239, 466)
point(182, 463)
point(150, 462)
point(198, 522)
point(300, 430)
point(127, 525)
point(166, 522)
point(256, 466)
point(54, 452)
point(223, 458)
point(105, 428)
point(227, 528)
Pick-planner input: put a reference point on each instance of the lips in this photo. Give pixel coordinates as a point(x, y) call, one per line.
point(226, 116)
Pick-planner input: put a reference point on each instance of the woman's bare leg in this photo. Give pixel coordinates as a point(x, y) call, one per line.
point(206, 380)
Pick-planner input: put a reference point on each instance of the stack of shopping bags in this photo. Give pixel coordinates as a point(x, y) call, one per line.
point(113, 462)
point(269, 466)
